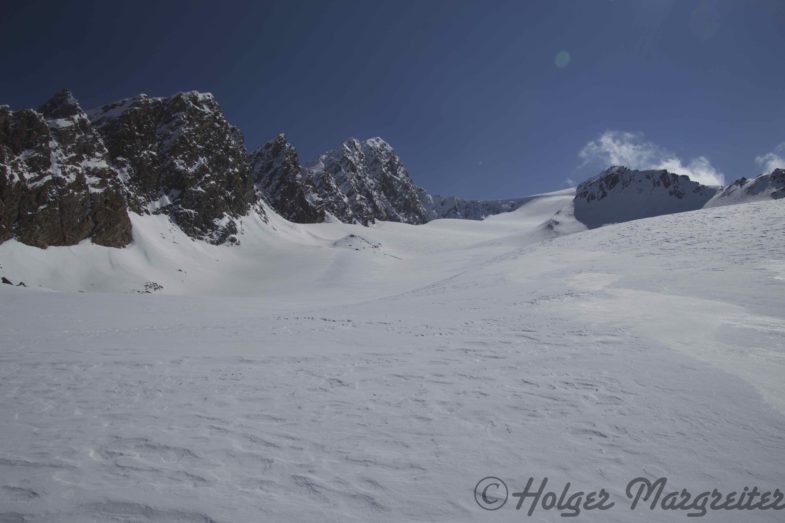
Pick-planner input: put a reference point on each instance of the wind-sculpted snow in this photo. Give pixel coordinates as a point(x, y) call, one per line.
point(370, 388)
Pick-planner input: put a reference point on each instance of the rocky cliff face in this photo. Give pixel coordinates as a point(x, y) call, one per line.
point(620, 194)
point(767, 186)
point(179, 156)
point(364, 181)
point(282, 182)
point(66, 175)
point(360, 182)
point(56, 185)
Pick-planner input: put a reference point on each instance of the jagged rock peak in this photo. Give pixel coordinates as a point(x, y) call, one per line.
point(378, 141)
point(370, 144)
point(180, 157)
point(56, 185)
point(281, 181)
point(181, 101)
point(61, 105)
point(364, 180)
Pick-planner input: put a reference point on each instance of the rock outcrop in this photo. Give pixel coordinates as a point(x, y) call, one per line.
point(365, 181)
point(179, 156)
point(56, 185)
point(282, 182)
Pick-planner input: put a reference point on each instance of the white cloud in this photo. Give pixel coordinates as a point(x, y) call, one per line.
point(772, 160)
point(634, 151)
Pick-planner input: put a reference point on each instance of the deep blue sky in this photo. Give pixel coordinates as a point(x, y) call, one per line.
point(468, 93)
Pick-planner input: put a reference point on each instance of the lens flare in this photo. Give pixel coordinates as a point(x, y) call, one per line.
point(562, 59)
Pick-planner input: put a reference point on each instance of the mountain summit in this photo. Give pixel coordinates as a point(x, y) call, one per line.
point(179, 156)
point(281, 181)
point(620, 194)
point(372, 184)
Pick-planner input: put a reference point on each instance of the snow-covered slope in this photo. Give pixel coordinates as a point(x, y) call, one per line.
point(767, 186)
point(619, 194)
point(302, 260)
point(341, 383)
point(452, 207)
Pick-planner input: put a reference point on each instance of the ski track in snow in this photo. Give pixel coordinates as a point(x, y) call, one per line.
point(649, 348)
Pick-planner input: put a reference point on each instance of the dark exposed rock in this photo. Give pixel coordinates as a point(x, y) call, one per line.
point(56, 187)
point(281, 181)
point(179, 156)
point(364, 181)
point(6, 281)
point(61, 105)
point(360, 182)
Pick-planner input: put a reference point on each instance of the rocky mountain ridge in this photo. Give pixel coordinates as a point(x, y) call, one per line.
point(361, 181)
point(67, 175)
point(620, 194)
point(372, 184)
point(179, 156)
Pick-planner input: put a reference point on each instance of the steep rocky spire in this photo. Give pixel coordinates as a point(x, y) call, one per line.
point(61, 105)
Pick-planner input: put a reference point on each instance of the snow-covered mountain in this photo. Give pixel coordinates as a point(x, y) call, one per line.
point(56, 186)
point(179, 156)
point(763, 187)
point(67, 175)
point(620, 194)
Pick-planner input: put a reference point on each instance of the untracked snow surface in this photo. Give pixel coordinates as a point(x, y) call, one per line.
point(311, 375)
